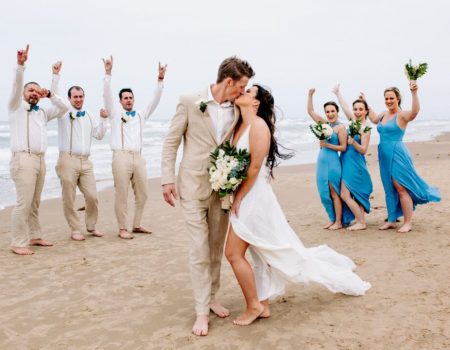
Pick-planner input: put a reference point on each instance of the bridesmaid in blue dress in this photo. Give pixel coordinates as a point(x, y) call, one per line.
point(403, 187)
point(356, 184)
point(329, 170)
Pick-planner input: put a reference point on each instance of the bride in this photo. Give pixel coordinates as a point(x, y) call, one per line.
point(258, 224)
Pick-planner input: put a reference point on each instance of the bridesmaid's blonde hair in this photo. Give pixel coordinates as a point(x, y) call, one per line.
point(396, 91)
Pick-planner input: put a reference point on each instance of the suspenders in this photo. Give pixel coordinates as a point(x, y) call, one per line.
point(71, 130)
point(140, 133)
point(28, 129)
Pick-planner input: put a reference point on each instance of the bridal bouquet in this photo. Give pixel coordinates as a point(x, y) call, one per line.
point(415, 72)
point(228, 170)
point(355, 128)
point(322, 131)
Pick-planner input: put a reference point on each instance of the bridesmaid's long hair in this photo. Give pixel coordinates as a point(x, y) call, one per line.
point(266, 111)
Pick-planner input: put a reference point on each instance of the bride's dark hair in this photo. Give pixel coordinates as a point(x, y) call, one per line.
point(266, 111)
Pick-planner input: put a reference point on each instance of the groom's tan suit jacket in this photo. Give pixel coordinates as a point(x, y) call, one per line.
point(196, 130)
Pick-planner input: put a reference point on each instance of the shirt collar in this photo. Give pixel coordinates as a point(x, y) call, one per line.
point(226, 104)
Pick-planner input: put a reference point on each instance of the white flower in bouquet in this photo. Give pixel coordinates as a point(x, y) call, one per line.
point(228, 170)
point(322, 131)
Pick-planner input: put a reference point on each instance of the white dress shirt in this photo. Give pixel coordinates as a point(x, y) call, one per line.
point(128, 136)
point(75, 135)
point(28, 129)
point(221, 114)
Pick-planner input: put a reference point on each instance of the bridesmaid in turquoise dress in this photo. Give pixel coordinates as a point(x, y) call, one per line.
point(403, 187)
point(329, 170)
point(356, 184)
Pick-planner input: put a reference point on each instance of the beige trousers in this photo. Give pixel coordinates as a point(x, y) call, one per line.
point(129, 166)
point(28, 173)
point(207, 224)
point(78, 171)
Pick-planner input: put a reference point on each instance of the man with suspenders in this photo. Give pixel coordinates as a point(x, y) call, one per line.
point(127, 127)
point(75, 132)
point(28, 130)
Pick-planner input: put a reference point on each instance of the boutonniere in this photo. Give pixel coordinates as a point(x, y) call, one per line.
point(202, 105)
point(73, 115)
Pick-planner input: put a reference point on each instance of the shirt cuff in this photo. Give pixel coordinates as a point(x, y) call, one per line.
point(20, 68)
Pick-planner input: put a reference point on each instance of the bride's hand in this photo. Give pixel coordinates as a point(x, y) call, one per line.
point(235, 206)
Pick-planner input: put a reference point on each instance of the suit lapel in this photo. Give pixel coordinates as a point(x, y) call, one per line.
point(206, 118)
point(231, 129)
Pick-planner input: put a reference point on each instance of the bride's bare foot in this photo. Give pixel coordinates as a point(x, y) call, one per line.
point(249, 316)
point(387, 226)
point(328, 225)
point(357, 226)
point(22, 251)
point(201, 325)
point(40, 242)
point(266, 312)
point(335, 226)
point(219, 310)
point(405, 228)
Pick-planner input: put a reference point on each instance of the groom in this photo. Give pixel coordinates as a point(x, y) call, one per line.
point(203, 120)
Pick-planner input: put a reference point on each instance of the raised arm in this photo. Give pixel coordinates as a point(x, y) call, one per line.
point(108, 100)
point(311, 111)
point(17, 90)
point(99, 127)
point(56, 68)
point(172, 141)
point(259, 144)
point(373, 117)
point(157, 93)
point(60, 105)
point(410, 115)
point(348, 112)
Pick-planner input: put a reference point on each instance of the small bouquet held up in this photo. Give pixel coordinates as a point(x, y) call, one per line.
point(355, 128)
point(228, 170)
point(322, 131)
point(415, 72)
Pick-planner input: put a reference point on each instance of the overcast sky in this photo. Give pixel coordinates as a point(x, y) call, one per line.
point(292, 45)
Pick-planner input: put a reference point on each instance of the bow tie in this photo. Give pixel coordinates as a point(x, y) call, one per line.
point(80, 114)
point(33, 108)
point(131, 113)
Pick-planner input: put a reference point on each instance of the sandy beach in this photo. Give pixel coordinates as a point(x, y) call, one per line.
point(108, 293)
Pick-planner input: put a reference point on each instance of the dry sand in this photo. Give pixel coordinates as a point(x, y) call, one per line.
point(108, 293)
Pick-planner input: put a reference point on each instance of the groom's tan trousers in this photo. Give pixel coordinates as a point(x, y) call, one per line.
point(28, 173)
point(74, 170)
point(129, 166)
point(207, 225)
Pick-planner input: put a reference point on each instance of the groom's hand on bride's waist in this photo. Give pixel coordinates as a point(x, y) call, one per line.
point(170, 193)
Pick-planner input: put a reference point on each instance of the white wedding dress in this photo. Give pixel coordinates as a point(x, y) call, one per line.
point(278, 254)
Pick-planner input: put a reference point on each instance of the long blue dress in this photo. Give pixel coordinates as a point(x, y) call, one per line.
point(356, 178)
point(396, 163)
point(329, 170)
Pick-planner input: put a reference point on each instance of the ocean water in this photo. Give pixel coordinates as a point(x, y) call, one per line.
point(292, 133)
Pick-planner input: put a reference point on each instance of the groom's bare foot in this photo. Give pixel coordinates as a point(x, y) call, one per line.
point(219, 310)
point(40, 242)
point(22, 251)
point(77, 236)
point(201, 325)
point(124, 234)
point(388, 225)
point(249, 316)
point(95, 233)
